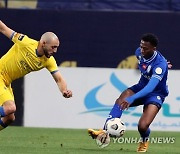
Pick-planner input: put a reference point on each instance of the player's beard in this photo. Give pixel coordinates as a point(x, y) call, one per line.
point(46, 53)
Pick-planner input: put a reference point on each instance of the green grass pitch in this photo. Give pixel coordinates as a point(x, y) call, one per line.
point(22, 140)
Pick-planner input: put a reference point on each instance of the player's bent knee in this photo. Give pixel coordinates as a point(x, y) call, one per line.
point(12, 108)
point(124, 94)
point(9, 107)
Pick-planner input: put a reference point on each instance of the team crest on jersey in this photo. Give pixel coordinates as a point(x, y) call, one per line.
point(158, 97)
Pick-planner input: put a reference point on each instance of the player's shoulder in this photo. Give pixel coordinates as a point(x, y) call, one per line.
point(50, 64)
point(138, 51)
point(160, 60)
point(160, 57)
point(22, 39)
point(50, 60)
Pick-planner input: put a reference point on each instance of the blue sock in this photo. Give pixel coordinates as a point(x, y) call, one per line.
point(116, 112)
point(3, 124)
point(145, 135)
point(2, 113)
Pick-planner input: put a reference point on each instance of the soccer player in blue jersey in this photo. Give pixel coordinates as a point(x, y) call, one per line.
point(150, 91)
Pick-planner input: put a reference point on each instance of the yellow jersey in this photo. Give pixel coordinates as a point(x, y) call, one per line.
point(22, 59)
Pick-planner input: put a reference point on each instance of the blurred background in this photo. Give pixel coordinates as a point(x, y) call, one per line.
point(96, 56)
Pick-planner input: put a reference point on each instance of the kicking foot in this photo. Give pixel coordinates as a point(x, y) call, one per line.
point(143, 146)
point(94, 133)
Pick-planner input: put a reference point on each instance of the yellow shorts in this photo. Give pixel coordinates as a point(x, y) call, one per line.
point(6, 92)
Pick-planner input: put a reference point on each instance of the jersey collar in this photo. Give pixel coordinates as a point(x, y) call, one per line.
point(150, 59)
point(37, 53)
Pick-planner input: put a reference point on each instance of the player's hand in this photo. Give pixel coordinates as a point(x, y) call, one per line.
point(124, 105)
point(67, 93)
point(169, 64)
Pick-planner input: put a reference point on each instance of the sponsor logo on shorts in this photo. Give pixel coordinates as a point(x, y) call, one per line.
point(158, 97)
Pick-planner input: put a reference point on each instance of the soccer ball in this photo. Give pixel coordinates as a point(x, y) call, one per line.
point(115, 127)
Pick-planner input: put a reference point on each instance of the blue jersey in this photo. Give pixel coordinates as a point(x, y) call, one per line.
point(156, 67)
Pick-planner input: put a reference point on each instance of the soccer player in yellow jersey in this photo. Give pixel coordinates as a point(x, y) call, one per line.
point(25, 56)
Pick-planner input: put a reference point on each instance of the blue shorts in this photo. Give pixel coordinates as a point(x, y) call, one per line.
point(152, 98)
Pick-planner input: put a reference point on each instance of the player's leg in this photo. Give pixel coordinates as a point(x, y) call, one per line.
point(115, 112)
point(6, 121)
point(7, 106)
point(7, 114)
point(149, 113)
point(7, 111)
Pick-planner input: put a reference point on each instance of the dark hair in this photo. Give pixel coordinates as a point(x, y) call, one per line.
point(149, 37)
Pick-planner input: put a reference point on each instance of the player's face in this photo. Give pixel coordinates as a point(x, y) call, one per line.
point(147, 49)
point(50, 48)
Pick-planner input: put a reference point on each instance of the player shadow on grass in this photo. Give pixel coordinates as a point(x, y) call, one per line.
point(108, 150)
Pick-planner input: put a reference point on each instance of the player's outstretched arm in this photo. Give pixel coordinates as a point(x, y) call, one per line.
point(62, 85)
point(5, 30)
point(153, 82)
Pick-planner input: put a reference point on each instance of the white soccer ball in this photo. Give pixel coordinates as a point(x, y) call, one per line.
point(115, 127)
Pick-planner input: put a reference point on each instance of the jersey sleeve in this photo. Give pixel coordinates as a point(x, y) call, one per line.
point(21, 39)
point(159, 70)
point(52, 65)
point(153, 82)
